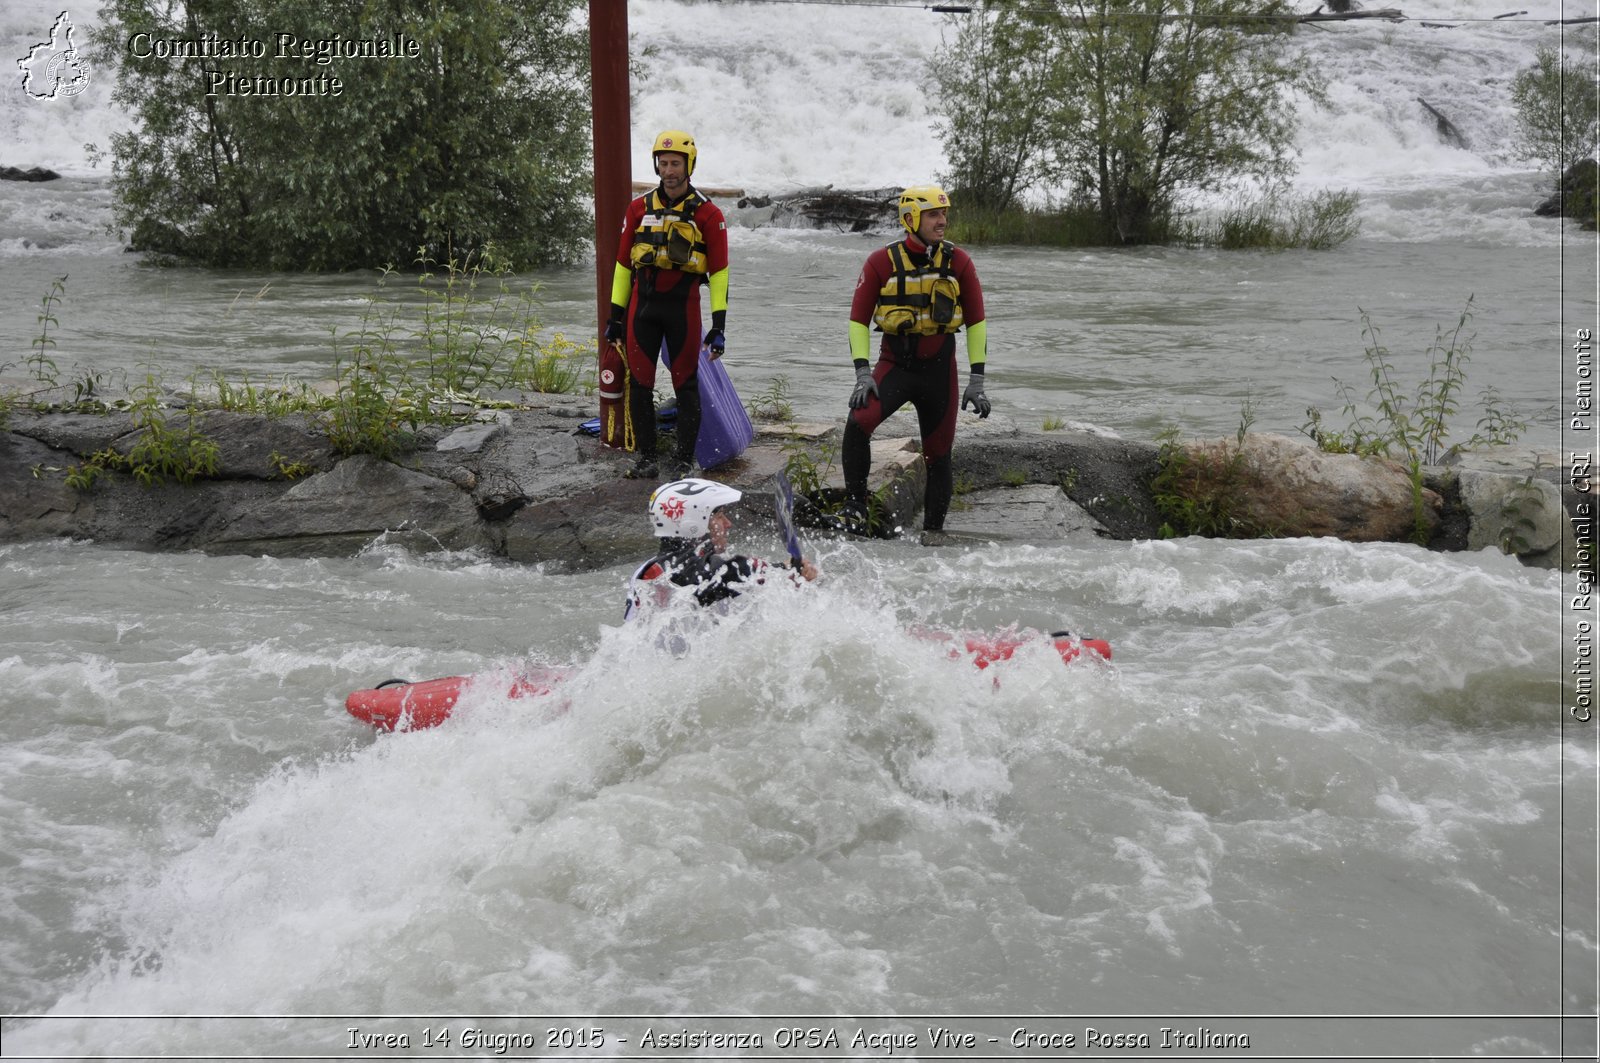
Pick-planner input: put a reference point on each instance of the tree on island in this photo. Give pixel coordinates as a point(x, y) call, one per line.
point(1557, 102)
point(1130, 102)
point(382, 129)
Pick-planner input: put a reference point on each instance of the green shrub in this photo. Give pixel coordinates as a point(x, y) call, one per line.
point(1203, 495)
point(1412, 428)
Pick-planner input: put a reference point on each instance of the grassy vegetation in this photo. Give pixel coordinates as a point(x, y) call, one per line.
point(1412, 427)
point(1197, 495)
point(407, 365)
point(1275, 222)
point(164, 450)
point(1318, 222)
point(773, 404)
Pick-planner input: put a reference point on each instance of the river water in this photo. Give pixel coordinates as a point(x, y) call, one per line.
point(1329, 798)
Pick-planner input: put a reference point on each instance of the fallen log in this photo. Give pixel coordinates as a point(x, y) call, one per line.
point(1447, 130)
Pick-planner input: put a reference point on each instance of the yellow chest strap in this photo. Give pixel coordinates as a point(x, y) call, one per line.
point(919, 300)
point(668, 237)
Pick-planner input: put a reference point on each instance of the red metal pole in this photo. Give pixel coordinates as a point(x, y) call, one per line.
point(613, 165)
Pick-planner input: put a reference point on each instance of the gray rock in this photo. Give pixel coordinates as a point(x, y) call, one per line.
point(1031, 512)
point(1516, 514)
point(340, 511)
point(528, 488)
point(79, 434)
point(1108, 477)
point(35, 502)
point(253, 446)
point(471, 438)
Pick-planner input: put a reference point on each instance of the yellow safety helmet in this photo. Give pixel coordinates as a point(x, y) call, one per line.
point(675, 140)
point(918, 198)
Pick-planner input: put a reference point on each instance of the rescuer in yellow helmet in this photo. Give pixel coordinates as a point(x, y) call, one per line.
point(919, 292)
point(673, 240)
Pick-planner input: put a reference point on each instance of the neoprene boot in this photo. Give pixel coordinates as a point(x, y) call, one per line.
point(941, 486)
point(688, 427)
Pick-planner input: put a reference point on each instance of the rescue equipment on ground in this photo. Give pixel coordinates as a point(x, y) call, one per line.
point(616, 426)
point(725, 428)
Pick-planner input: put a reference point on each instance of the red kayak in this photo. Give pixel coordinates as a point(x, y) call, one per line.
point(987, 649)
point(398, 705)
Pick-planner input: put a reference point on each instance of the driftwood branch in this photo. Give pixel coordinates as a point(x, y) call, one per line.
point(1392, 14)
point(1447, 129)
point(829, 208)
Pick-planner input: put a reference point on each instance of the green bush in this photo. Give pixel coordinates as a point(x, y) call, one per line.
point(481, 136)
point(1412, 428)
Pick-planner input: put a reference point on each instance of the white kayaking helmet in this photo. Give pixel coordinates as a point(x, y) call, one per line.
point(682, 509)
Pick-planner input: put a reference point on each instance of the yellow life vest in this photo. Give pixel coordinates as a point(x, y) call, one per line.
point(668, 238)
point(919, 300)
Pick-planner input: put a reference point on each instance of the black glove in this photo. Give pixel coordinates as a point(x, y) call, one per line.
point(715, 343)
point(866, 387)
point(974, 394)
point(616, 331)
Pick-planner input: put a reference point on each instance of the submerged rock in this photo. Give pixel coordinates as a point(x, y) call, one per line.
point(32, 174)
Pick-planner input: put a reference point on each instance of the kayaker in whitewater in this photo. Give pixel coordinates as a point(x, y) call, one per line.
point(919, 293)
point(687, 517)
point(673, 240)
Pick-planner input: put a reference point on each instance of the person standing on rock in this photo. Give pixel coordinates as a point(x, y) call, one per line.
point(673, 241)
point(919, 293)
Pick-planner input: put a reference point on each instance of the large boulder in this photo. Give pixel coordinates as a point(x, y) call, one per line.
point(1577, 195)
point(32, 174)
point(253, 446)
point(1025, 513)
point(35, 502)
point(1280, 486)
point(1519, 515)
point(340, 511)
point(1108, 477)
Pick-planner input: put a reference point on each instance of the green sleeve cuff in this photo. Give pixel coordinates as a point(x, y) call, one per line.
point(860, 342)
point(977, 345)
point(621, 283)
point(719, 290)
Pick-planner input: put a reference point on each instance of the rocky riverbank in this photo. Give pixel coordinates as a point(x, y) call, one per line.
point(525, 485)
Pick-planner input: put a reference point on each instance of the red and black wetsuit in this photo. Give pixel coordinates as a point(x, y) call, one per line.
point(919, 369)
point(664, 307)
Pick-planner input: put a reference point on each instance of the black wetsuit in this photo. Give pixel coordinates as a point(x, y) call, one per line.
point(694, 563)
